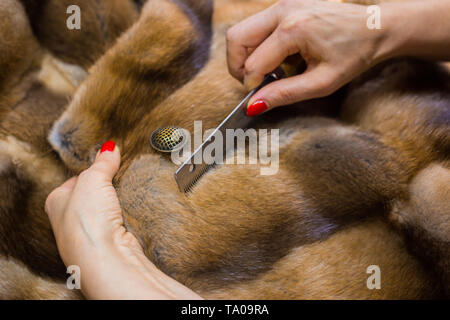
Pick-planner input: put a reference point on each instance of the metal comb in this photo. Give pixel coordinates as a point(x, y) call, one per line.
point(189, 173)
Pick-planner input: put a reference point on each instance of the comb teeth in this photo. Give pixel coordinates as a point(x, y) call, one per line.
point(187, 176)
point(201, 169)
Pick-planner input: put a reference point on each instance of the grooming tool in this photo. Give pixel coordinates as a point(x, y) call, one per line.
point(168, 139)
point(190, 172)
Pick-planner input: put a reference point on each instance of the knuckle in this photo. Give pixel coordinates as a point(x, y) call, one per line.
point(283, 4)
point(232, 34)
point(324, 87)
point(291, 24)
point(285, 96)
point(49, 202)
point(288, 26)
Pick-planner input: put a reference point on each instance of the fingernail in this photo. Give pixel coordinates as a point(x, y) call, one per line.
point(108, 146)
point(256, 108)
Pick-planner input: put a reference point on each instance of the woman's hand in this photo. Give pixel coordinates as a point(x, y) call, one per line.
point(86, 218)
point(333, 39)
point(335, 42)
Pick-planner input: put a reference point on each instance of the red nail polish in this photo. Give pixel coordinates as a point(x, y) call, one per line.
point(108, 146)
point(256, 108)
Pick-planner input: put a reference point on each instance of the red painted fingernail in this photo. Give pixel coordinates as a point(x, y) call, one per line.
point(108, 146)
point(256, 108)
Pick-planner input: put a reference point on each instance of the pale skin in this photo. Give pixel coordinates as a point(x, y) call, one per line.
point(337, 46)
point(86, 217)
point(335, 42)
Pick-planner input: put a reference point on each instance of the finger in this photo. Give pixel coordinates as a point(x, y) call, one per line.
point(245, 36)
point(268, 56)
point(316, 82)
point(106, 163)
point(105, 166)
point(94, 200)
point(57, 201)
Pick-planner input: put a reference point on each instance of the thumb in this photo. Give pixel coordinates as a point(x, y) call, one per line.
point(107, 162)
point(313, 83)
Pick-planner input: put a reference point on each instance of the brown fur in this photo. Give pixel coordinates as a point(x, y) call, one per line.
point(318, 191)
point(234, 236)
point(34, 89)
point(310, 231)
point(425, 221)
point(101, 23)
point(318, 270)
point(19, 52)
point(32, 169)
point(148, 63)
point(413, 117)
point(17, 283)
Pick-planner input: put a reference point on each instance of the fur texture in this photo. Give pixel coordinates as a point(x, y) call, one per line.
point(330, 176)
point(148, 63)
point(425, 221)
point(34, 89)
point(102, 22)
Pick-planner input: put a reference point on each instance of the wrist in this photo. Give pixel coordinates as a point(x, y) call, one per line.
point(124, 272)
point(114, 274)
point(389, 40)
point(415, 28)
point(155, 283)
